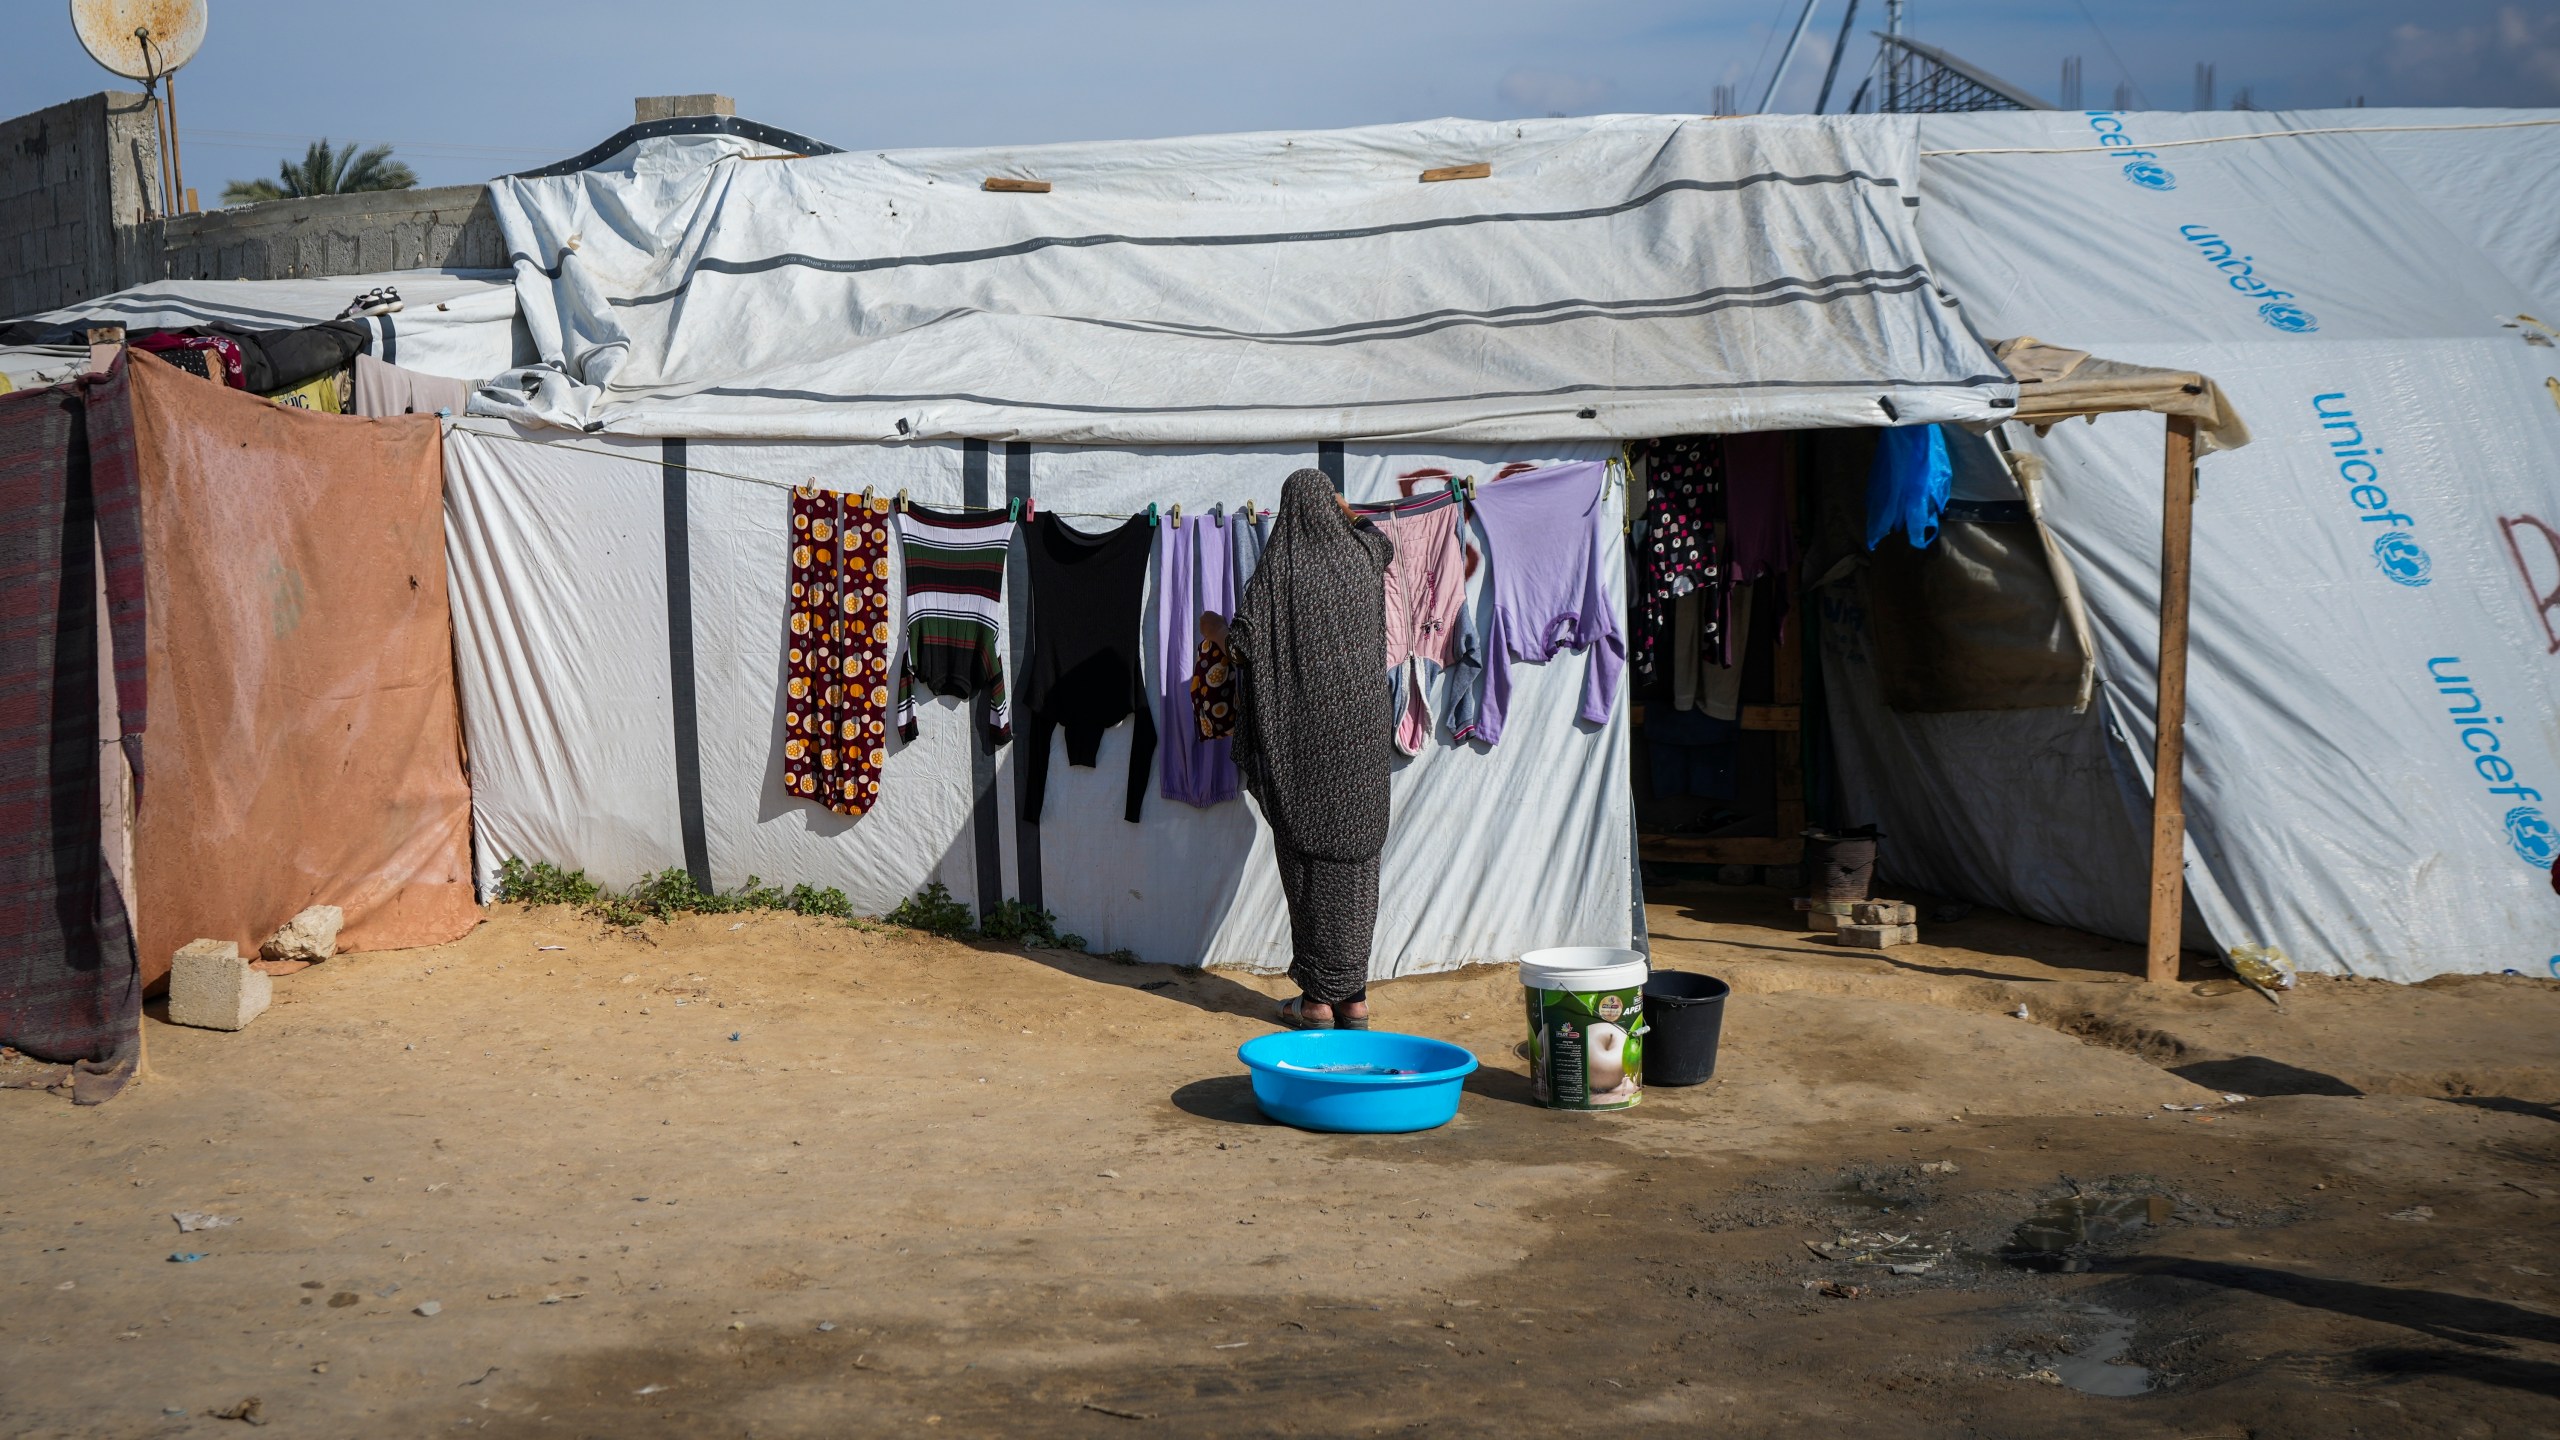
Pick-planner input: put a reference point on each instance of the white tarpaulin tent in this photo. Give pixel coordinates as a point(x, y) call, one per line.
point(460, 323)
point(2372, 733)
point(1185, 321)
point(2374, 712)
point(562, 633)
point(1610, 278)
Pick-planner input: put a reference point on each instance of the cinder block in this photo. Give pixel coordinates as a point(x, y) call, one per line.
point(1878, 937)
point(1884, 912)
point(210, 986)
point(1825, 907)
point(1823, 920)
point(311, 936)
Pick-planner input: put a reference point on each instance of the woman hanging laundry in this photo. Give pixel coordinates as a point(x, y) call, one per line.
point(1309, 643)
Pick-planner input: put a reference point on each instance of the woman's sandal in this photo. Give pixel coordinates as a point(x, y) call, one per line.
point(1293, 1014)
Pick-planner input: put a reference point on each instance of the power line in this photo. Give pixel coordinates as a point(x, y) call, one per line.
point(1774, 22)
point(2110, 47)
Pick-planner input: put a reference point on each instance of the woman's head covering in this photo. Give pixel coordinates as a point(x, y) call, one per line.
point(1310, 640)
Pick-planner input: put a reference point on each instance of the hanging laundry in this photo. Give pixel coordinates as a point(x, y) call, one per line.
point(324, 394)
point(1547, 592)
point(1760, 533)
point(264, 361)
point(1719, 692)
point(1083, 674)
point(383, 389)
point(1213, 681)
point(954, 566)
point(1426, 595)
point(1196, 592)
point(71, 487)
point(212, 357)
point(835, 734)
point(1908, 484)
point(1252, 534)
point(1680, 549)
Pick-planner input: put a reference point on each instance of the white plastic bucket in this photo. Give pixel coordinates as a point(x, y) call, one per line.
point(1586, 1026)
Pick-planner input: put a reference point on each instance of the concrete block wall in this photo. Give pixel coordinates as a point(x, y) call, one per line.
point(447, 227)
point(79, 201)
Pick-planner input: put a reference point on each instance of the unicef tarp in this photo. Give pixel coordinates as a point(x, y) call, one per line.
point(1608, 278)
point(2373, 741)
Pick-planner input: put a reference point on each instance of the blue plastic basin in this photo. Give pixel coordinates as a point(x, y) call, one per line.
point(1313, 1099)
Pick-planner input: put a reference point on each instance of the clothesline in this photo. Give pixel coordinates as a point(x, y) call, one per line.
point(1468, 482)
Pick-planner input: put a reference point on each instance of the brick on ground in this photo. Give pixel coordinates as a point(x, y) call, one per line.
point(213, 988)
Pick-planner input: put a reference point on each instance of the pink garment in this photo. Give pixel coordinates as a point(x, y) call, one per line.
point(1426, 587)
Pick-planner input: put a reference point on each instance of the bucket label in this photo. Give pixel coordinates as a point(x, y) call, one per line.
point(1586, 1048)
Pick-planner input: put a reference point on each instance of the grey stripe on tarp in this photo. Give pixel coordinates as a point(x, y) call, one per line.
point(391, 347)
point(680, 674)
point(1026, 833)
point(1329, 460)
point(984, 813)
point(1552, 312)
point(1851, 383)
point(793, 260)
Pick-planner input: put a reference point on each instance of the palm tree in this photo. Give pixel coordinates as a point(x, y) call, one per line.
point(325, 170)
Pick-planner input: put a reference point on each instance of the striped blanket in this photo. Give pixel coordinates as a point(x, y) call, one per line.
point(70, 991)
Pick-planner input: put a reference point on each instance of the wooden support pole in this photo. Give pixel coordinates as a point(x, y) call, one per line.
point(2169, 718)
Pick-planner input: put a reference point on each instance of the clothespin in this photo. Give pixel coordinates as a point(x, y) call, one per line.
point(866, 497)
point(1218, 512)
point(1176, 515)
point(902, 500)
point(1151, 514)
point(1013, 508)
point(1030, 509)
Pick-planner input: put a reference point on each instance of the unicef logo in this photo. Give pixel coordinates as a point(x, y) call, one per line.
point(2291, 319)
point(2401, 559)
point(2150, 176)
point(2537, 844)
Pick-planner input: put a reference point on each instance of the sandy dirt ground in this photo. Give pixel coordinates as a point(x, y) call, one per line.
point(775, 1177)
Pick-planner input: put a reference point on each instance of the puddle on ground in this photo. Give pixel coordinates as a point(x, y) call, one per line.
point(2054, 1237)
point(2098, 1368)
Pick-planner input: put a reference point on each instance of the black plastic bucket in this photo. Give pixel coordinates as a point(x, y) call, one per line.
point(1684, 1019)
point(1840, 864)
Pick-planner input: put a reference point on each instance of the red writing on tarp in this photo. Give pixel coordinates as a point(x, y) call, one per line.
point(2544, 545)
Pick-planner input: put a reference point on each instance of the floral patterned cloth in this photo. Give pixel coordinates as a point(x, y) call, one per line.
point(1682, 547)
point(835, 725)
point(1213, 691)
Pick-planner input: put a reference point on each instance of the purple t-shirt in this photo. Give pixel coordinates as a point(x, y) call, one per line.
point(1545, 592)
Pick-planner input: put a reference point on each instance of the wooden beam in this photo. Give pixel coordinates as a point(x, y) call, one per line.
point(1477, 171)
point(1786, 718)
point(2169, 717)
point(1006, 186)
point(1721, 849)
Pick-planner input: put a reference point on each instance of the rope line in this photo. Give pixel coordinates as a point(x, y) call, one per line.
point(2227, 139)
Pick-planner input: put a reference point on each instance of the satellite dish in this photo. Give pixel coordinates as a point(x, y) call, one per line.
point(139, 39)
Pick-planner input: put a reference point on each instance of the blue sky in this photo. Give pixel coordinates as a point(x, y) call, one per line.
point(466, 89)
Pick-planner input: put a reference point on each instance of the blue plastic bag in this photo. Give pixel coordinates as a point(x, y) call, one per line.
point(1907, 486)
